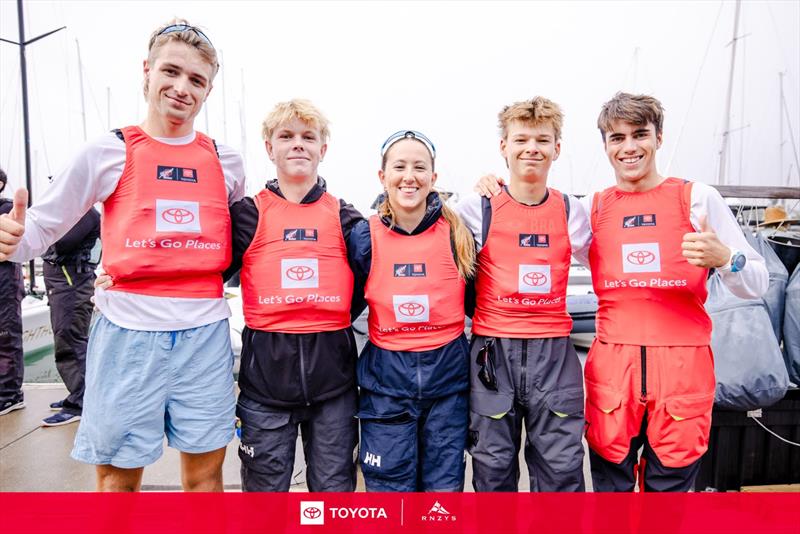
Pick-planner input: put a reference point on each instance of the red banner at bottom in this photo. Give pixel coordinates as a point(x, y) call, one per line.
point(484, 513)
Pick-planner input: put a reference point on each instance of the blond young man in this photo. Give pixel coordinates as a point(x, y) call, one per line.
point(524, 367)
point(159, 359)
point(298, 350)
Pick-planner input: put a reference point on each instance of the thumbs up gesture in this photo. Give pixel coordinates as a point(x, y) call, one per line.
point(12, 225)
point(703, 248)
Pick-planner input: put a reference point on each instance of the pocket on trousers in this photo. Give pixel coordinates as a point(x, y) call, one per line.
point(566, 403)
point(603, 399)
point(388, 447)
point(261, 438)
point(679, 431)
point(607, 430)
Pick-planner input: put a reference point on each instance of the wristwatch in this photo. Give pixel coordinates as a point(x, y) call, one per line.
point(737, 263)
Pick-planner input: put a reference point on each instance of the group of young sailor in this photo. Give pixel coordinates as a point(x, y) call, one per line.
point(176, 225)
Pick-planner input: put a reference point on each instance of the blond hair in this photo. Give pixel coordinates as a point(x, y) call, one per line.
point(460, 235)
point(535, 112)
point(297, 108)
point(189, 36)
point(634, 109)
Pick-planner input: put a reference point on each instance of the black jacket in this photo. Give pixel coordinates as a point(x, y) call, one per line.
point(11, 285)
point(75, 248)
point(292, 370)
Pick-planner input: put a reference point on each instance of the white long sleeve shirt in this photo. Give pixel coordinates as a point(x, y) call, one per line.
point(91, 177)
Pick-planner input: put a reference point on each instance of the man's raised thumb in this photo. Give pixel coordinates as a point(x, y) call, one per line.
point(20, 205)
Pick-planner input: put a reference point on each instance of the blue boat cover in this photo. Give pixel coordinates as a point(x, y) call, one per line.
point(748, 362)
point(791, 327)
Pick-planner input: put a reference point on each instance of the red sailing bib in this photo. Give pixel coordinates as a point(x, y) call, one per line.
point(166, 227)
point(295, 275)
point(648, 294)
point(414, 291)
point(523, 269)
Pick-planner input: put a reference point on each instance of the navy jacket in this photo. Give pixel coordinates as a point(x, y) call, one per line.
point(419, 375)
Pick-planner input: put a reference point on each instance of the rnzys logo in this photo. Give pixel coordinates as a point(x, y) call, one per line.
point(438, 513)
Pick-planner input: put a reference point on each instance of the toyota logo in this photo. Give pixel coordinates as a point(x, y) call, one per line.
point(641, 257)
point(312, 512)
point(535, 279)
point(177, 216)
point(299, 272)
point(411, 309)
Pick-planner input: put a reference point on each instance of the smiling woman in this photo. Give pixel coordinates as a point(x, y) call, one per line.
point(413, 259)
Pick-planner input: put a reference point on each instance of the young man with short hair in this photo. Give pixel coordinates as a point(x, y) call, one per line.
point(650, 372)
point(524, 367)
point(159, 358)
point(298, 350)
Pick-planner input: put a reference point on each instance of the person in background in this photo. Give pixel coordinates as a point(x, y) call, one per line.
point(12, 290)
point(69, 278)
point(413, 259)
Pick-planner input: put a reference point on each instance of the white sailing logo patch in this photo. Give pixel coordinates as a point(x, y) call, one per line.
point(641, 258)
point(299, 273)
point(534, 279)
point(177, 216)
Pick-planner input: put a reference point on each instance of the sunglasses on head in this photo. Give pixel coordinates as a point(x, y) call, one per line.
point(408, 134)
point(485, 358)
point(185, 27)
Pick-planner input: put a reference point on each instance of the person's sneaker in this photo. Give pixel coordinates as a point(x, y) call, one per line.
point(60, 418)
point(57, 405)
point(10, 406)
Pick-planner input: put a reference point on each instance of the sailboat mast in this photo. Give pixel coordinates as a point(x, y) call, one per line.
point(26, 128)
point(80, 80)
point(723, 152)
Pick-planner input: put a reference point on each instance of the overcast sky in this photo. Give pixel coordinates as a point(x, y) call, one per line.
point(445, 68)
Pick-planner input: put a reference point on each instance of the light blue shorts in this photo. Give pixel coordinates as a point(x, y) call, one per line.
point(142, 385)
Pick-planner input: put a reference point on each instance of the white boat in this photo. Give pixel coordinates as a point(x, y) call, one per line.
point(581, 305)
point(37, 333)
